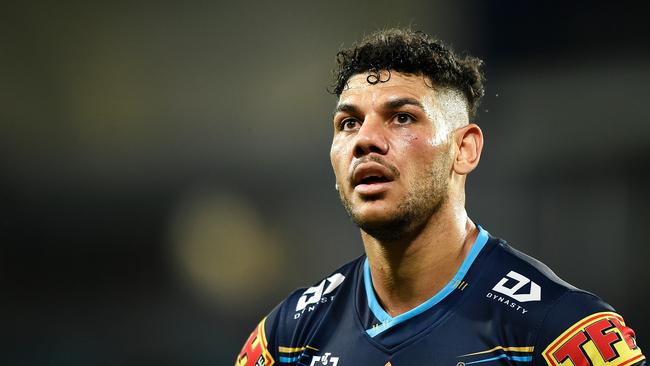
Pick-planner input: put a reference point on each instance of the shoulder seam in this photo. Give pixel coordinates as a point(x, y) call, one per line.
point(536, 332)
point(568, 292)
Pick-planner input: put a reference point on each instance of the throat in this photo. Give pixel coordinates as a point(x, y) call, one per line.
point(401, 292)
point(407, 276)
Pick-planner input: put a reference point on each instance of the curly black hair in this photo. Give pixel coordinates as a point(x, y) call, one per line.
point(410, 52)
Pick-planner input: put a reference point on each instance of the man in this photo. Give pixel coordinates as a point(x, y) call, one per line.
point(433, 288)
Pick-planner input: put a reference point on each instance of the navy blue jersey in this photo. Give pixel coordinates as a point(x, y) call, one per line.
point(501, 308)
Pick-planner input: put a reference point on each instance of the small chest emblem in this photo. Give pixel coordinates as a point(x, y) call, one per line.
point(325, 359)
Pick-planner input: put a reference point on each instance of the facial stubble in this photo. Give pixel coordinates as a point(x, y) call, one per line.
point(423, 201)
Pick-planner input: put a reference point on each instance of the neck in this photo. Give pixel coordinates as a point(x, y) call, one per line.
point(407, 272)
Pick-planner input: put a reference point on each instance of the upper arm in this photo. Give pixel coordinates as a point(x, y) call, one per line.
point(582, 330)
point(260, 347)
point(256, 350)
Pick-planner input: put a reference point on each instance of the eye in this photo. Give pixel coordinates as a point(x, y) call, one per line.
point(404, 118)
point(349, 124)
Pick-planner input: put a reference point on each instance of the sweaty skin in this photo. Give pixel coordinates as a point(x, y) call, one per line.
point(418, 142)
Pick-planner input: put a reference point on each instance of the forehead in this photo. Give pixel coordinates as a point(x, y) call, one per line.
point(393, 84)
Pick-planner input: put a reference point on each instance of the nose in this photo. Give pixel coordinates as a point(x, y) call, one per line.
point(371, 138)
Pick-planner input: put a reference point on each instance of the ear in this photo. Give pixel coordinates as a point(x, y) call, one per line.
point(469, 144)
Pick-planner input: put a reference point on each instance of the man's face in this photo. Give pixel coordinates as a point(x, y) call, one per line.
point(391, 152)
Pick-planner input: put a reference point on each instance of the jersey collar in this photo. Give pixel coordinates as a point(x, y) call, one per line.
point(388, 321)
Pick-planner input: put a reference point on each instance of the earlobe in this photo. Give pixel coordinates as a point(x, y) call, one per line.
point(469, 144)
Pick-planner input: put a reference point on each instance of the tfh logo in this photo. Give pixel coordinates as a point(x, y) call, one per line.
point(535, 293)
point(317, 292)
point(605, 335)
point(324, 360)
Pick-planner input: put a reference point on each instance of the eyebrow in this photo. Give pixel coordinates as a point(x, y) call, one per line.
point(347, 108)
point(400, 102)
point(390, 105)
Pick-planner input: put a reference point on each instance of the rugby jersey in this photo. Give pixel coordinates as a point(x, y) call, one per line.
point(502, 307)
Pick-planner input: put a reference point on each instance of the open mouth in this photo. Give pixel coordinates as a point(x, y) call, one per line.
point(374, 179)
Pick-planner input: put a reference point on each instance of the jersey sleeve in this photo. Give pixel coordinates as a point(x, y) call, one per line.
point(582, 330)
point(260, 345)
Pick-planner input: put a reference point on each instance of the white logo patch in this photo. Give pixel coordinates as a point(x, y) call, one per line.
point(535, 293)
point(324, 360)
point(314, 294)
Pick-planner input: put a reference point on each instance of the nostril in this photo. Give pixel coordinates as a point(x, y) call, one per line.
point(375, 149)
point(361, 150)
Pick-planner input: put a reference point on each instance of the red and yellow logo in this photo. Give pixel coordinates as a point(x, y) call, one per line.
point(599, 339)
point(256, 351)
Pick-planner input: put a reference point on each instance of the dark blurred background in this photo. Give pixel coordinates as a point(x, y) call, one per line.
point(164, 169)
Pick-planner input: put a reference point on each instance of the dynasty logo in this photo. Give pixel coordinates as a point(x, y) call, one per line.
point(318, 294)
point(511, 285)
point(534, 294)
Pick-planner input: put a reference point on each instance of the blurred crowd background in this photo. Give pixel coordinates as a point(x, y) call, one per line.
point(164, 169)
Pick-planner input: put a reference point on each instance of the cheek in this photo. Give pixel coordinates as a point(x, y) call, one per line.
point(418, 154)
point(336, 158)
point(407, 142)
point(414, 145)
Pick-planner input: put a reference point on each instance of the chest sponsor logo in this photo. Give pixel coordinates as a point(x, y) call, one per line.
point(326, 359)
point(318, 294)
point(599, 339)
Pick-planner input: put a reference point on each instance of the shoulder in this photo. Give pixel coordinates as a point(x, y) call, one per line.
point(297, 315)
point(568, 326)
point(582, 329)
point(519, 287)
point(308, 302)
point(516, 261)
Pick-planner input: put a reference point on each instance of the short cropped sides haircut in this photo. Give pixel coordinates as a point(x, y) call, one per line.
point(410, 52)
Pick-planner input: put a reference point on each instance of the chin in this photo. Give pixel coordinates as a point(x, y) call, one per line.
point(380, 222)
point(387, 220)
point(373, 220)
point(374, 210)
point(386, 229)
point(378, 216)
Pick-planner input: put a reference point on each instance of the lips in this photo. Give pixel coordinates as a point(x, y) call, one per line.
point(371, 178)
